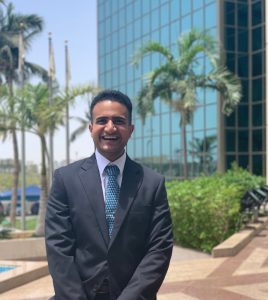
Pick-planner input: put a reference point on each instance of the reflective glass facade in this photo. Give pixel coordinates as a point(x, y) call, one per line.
point(244, 35)
point(126, 25)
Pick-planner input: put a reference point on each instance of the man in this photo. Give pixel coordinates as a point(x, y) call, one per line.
point(96, 250)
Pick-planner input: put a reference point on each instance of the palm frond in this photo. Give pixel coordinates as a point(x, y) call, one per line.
point(166, 70)
point(152, 47)
point(144, 102)
point(193, 43)
point(228, 85)
point(6, 57)
point(78, 131)
point(176, 81)
point(36, 70)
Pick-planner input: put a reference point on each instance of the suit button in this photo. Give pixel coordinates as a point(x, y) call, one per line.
point(95, 288)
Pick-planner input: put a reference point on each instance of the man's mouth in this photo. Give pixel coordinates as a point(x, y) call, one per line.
point(110, 138)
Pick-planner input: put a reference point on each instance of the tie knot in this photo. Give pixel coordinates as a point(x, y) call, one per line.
point(112, 170)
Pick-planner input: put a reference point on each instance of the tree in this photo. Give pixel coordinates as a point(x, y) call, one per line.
point(10, 28)
point(83, 125)
point(203, 149)
point(8, 121)
point(83, 122)
point(11, 25)
point(39, 119)
point(177, 79)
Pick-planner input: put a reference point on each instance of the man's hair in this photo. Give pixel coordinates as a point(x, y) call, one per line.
point(112, 95)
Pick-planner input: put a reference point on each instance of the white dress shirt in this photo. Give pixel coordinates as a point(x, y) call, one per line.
point(102, 162)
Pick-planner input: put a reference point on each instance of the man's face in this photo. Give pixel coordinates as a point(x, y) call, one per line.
point(110, 128)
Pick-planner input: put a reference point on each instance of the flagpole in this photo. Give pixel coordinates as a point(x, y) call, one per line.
point(50, 95)
point(67, 78)
point(23, 181)
point(266, 95)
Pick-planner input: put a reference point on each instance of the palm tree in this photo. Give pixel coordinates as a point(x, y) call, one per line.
point(83, 122)
point(203, 150)
point(5, 117)
point(8, 123)
point(10, 27)
point(39, 119)
point(176, 80)
point(83, 125)
point(11, 24)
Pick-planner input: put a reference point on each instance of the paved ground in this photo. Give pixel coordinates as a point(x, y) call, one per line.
point(194, 276)
point(244, 276)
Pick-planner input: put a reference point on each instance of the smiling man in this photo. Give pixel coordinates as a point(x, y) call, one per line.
point(111, 127)
point(108, 225)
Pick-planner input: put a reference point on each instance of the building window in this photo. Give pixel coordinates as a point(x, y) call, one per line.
point(242, 14)
point(257, 141)
point(257, 13)
point(243, 141)
point(257, 89)
point(230, 141)
point(257, 40)
point(257, 114)
point(229, 13)
point(242, 115)
point(257, 64)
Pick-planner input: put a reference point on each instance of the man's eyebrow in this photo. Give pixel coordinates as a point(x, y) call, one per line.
point(119, 117)
point(101, 117)
point(113, 117)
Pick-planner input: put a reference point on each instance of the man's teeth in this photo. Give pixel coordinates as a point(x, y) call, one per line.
point(110, 137)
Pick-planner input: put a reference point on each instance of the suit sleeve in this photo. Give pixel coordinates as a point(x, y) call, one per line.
point(60, 243)
point(152, 269)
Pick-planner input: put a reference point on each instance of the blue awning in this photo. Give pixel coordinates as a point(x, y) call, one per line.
point(32, 193)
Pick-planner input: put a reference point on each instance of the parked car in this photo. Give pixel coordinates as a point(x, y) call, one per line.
point(1, 209)
point(35, 208)
point(18, 209)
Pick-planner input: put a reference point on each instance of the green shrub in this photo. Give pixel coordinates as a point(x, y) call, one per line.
point(2, 218)
point(243, 178)
point(6, 180)
point(4, 233)
point(206, 210)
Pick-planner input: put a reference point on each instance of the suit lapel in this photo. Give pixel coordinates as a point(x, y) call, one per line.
point(90, 178)
point(131, 181)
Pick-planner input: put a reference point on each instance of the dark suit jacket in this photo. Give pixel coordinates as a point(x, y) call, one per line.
point(79, 251)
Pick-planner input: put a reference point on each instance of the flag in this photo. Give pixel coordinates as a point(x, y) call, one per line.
point(21, 53)
point(52, 68)
point(67, 64)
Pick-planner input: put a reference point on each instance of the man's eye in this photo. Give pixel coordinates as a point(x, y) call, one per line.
point(119, 121)
point(101, 121)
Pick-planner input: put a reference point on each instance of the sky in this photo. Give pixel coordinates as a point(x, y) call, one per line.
point(76, 22)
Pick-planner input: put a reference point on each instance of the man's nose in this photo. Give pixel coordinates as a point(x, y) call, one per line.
point(110, 126)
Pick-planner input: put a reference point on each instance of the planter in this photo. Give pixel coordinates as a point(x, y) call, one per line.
point(23, 248)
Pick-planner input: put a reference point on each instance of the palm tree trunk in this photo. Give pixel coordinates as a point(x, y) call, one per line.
point(16, 162)
point(40, 226)
point(15, 180)
point(184, 146)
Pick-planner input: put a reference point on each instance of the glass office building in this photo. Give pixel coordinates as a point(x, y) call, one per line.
point(213, 140)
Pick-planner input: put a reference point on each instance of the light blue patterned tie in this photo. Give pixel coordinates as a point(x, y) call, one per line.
point(111, 195)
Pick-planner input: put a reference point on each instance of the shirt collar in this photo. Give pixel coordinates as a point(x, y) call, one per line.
point(102, 162)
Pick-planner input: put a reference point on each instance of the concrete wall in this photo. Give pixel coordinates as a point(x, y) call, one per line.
point(27, 248)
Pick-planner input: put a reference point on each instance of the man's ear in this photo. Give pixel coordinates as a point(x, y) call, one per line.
point(90, 127)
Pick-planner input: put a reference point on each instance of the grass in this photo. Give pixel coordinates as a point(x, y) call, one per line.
point(30, 222)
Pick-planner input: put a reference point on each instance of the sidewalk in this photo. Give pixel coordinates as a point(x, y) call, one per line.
point(194, 276)
point(244, 276)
